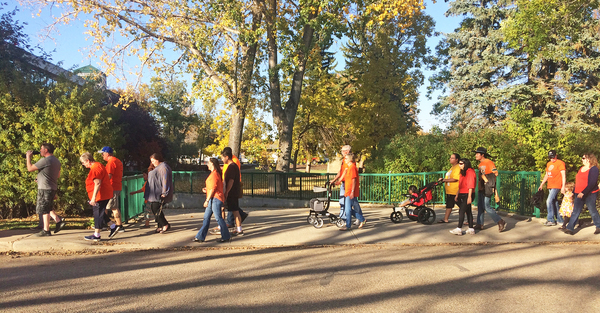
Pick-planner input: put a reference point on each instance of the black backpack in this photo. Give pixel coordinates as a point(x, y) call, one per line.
point(537, 199)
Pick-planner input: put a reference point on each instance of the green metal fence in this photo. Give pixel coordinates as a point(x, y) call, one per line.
point(514, 188)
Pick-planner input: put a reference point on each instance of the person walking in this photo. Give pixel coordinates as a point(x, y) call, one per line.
point(160, 190)
point(556, 177)
point(351, 193)
point(99, 189)
point(586, 191)
point(114, 168)
point(231, 186)
point(451, 185)
point(214, 202)
point(339, 178)
point(487, 188)
point(48, 168)
point(464, 196)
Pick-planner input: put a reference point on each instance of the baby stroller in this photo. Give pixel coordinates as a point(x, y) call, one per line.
point(420, 213)
point(320, 206)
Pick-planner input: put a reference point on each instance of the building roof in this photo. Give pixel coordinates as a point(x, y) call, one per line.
point(88, 69)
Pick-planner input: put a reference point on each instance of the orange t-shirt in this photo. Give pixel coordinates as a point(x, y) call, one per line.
point(351, 173)
point(114, 166)
point(553, 170)
point(214, 182)
point(237, 161)
point(105, 192)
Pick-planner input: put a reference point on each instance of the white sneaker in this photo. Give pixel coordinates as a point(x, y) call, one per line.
point(456, 231)
point(471, 231)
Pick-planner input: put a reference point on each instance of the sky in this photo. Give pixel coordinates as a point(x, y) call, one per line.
point(70, 47)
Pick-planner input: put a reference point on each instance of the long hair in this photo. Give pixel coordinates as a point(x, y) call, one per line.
point(592, 159)
point(217, 166)
point(467, 166)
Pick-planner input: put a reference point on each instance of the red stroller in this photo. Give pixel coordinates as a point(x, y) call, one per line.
point(418, 200)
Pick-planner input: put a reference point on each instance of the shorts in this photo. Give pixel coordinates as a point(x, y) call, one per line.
point(148, 214)
point(114, 202)
point(450, 202)
point(45, 201)
point(233, 204)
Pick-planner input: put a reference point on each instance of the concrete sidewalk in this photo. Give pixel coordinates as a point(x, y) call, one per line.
point(288, 227)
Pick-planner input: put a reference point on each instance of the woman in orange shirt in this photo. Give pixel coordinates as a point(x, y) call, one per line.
point(99, 191)
point(214, 202)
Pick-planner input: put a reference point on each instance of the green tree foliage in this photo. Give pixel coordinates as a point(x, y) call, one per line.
point(174, 112)
point(382, 76)
point(34, 110)
point(488, 74)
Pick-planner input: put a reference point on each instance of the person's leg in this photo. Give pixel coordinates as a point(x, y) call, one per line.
point(159, 216)
point(480, 208)
point(461, 210)
point(216, 205)
point(348, 212)
point(230, 219)
point(577, 207)
point(551, 204)
point(469, 213)
point(114, 204)
point(590, 202)
point(488, 208)
point(449, 206)
point(46, 218)
point(357, 210)
point(208, 211)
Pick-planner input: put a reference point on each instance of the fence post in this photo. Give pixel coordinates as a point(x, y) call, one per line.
point(522, 194)
point(191, 184)
point(301, 188)
point(252, 184)
point(390, 188)
point(275, 180)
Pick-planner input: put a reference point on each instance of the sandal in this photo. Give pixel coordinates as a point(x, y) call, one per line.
point(442, 222)
point(165, 230)
point(158, 230)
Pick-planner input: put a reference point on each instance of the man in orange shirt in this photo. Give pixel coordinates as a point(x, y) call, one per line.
point(487, 188)
point(114, 168)
point(556, 176)
point(99, 191)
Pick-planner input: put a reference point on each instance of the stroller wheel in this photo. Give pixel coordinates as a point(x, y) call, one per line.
point(396, 217)
point(340, 223)
point(426, 216)
point(412, 214)
point(332, 219)
point(310, 219)
point(318, 222)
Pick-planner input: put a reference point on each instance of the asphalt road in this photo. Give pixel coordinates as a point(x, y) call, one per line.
point(371, 278)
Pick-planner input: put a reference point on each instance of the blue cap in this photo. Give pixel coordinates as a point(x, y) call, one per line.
point(106, 149)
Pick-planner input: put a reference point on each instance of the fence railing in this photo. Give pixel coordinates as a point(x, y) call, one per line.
point(514, 188)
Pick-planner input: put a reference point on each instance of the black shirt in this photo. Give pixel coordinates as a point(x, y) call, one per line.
point(233, 173)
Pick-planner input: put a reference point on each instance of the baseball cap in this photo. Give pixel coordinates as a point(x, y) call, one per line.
point(106, 149)
point(552, 154)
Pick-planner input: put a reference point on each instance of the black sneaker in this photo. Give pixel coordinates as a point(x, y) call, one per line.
point(121, 229)
point(113, 231)
point(37, 228)
point(60, 225)
point(44, 233)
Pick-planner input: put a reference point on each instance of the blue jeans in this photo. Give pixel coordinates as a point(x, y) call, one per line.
point(590, 202)
point(214, 205)
point(348, 205)
point(484, 205)
point(552, 206)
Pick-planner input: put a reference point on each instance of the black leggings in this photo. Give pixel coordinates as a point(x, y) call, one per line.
point(464, 208)
point(158, 218)
point(99, 213)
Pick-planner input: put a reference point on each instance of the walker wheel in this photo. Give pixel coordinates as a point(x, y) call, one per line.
point(340, 223)
point(310, 219)
point(318, 222)
point(426, 216)
point(396, 217)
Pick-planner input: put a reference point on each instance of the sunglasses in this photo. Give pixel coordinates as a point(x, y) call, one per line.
point(461, 163)
point(583, 158)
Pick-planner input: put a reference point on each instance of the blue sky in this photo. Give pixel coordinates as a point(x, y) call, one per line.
point(71, 47)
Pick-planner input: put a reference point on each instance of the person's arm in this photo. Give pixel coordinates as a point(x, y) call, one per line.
point(339, 174)
point(563, 173)
point(30, 167)
point(209, 195)
point(353, 186)
point(137, 191)
point(470, 198)
point(97, 183)
point(165, 183)
point(229, 185)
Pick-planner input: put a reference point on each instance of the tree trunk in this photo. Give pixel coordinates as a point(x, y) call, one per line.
point(308, 162)
point(238, 117)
